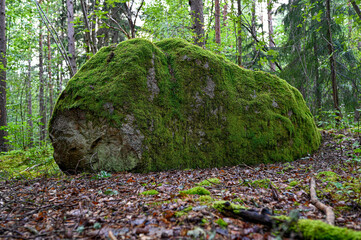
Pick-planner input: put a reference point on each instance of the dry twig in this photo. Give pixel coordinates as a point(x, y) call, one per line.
point(330, 215)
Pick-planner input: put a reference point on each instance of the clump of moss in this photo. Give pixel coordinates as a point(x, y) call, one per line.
point(196, 190)
point(150, 192)
point(225, 205)
point(259, 183)
point(328, 176)
point(30, 163)
point(205, 198)
point(222, 223)
point(209, 181)
point(316, 229)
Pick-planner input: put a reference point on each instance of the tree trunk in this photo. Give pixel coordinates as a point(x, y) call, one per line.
point(217, 15)
point(225, 14)
point(239, 32)
point(30, 108)
point(317, 77)
point(62, 26)
point(253, 20)
point(270, 32)
point(50, 80)
point(89, 44)
point(332, 62)
point(71, 35)
point(3, 115)
point(41, 90)
point(357, 9)
point(198, 21)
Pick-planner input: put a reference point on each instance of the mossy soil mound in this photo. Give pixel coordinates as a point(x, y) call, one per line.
point(170, 105)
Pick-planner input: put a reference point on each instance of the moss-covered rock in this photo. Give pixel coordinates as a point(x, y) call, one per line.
point(170, 105)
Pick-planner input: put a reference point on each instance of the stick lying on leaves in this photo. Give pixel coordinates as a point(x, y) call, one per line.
point(310, 229)
point(330, 215)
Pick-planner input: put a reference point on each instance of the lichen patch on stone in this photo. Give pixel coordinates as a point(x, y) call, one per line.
point(152, 81)
point(132, 136)
point(209, 89)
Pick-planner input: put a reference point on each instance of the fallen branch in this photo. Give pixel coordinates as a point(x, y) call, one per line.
point(30, 168)
point(330, 215)
point(237, 211)
point(310, 229)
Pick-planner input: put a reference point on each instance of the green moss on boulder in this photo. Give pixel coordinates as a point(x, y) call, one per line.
point(171, 105)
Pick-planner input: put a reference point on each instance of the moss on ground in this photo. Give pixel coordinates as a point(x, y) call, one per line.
point(316, 229)
point(209, 182)
point(150, 192)
point(196, 190)
point(31, 163)
point(205, 198)
point(195, 109)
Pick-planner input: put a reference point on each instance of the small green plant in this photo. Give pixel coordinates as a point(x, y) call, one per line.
point(150, 192)
point(109, 191)
point(222, 223)
point(102, 175)
point(196, 190)
point(293, 183)
point(97, 226)
point(287, 167)
point(204, 221)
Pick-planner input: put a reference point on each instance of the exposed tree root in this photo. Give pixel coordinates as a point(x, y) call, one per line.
point(330, 215)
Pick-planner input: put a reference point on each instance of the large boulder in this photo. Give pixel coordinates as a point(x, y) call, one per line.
point(146, 106)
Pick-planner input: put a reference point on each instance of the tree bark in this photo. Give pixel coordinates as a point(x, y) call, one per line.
point(198, 21)
point(30, 108)
point(50, 80)
point(217, 15)
point(332, 62)
point(239, 32)
point(225, 13)
point(357, 9)
point(317, 77)
point(42, 110)
point(270, 32)
point(90, 45)
point(71, 35)
point(253, 20)
point(3, 114)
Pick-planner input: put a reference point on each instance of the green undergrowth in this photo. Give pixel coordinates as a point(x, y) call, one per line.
point(30, 163)
point(236, 115)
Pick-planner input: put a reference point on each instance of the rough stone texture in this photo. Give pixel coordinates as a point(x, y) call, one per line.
point(147, 107)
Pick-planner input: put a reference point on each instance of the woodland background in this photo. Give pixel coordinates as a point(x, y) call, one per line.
point(314, 45)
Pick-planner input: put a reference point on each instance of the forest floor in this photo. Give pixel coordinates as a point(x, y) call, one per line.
point(120, 206)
